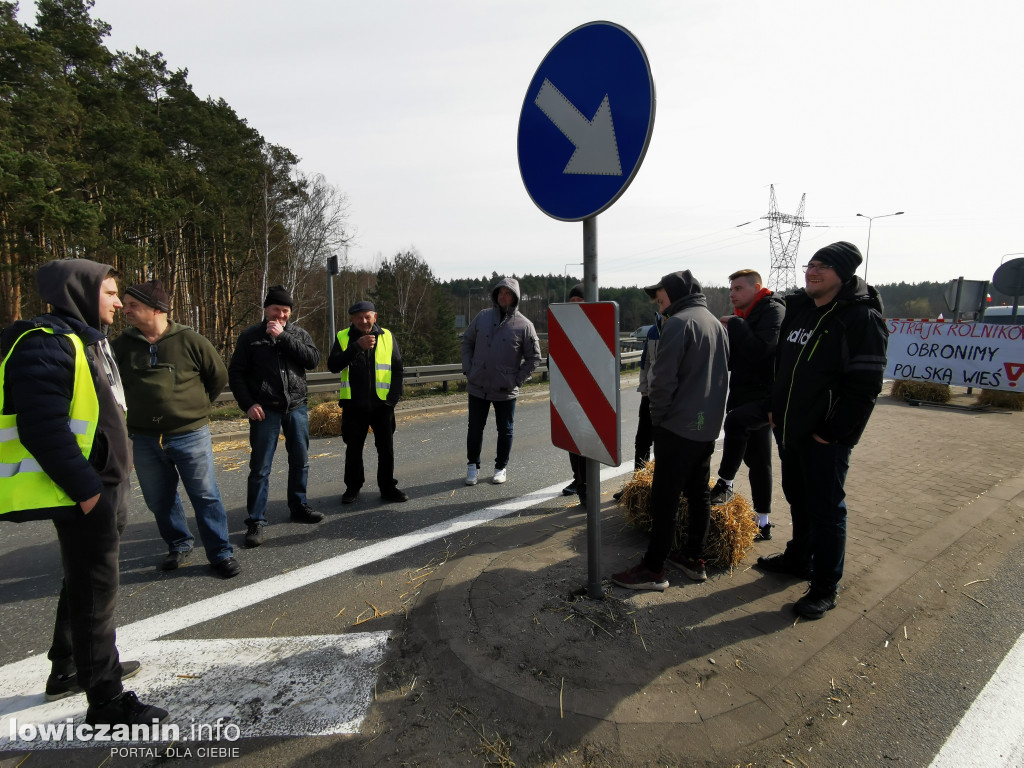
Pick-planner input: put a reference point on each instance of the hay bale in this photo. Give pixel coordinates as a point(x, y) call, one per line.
point(325, 420)
point(928, 391)
point(998, 398)
point(730, 535)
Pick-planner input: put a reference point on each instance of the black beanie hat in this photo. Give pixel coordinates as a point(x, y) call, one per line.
point(152, 294)
point(577, 291)
point(843, 257)
point(279, 295)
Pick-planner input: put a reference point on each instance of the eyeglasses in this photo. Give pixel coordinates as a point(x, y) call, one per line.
point(817, 266)
point(152, 355)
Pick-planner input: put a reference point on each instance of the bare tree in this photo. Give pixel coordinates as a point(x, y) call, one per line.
point(317, 228)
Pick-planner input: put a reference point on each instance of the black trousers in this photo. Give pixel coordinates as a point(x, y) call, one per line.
point(644, 434)
point(682, 467)
point(355, 425)
point(748, 439)
point(84, 632)
point(579, 473)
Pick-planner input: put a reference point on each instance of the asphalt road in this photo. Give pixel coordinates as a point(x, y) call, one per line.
point(430, 466)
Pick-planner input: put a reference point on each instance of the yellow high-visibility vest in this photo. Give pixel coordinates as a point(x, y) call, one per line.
point(381, 365)
point(23, 483)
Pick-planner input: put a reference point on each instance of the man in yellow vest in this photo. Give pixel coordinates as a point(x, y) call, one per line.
point(65, 456)
point(371, 370)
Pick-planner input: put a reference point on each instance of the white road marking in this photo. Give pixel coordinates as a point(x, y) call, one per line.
point(269, 686)
point(22, 681)
point(991, 733)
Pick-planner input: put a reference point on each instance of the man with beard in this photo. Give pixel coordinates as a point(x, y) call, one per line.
point(829, 368)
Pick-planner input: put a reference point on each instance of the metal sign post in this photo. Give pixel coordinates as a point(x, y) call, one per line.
point(332, 270)
point(593, 468)
point(584, 129)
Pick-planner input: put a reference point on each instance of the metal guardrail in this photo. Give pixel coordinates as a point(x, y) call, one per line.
point(325, 381)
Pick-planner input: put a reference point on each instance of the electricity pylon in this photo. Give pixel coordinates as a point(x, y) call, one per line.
point(782, 277)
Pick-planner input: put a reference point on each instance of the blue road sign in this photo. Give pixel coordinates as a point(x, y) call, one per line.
point(586, 121)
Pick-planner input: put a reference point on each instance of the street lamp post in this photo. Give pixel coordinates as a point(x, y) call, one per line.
point(565, 276)
point(867, 251)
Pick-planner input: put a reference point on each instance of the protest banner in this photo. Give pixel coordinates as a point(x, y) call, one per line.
point(983, 355)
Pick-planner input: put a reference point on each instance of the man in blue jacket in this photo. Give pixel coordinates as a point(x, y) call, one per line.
point(500, 350)
point(829, 368)
point(61, 385)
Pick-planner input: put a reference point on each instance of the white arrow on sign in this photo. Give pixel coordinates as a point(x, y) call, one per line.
point(597, 152)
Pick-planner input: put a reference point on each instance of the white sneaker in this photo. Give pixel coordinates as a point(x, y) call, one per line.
point(499, 477)
point(471, 472)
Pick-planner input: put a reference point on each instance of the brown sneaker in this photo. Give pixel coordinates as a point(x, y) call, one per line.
point(641, 577)
point(692, 567)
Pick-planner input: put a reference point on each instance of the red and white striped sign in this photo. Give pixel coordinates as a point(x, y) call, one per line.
point(583, 361)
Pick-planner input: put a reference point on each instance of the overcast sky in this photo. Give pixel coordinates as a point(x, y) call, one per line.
point(411, 108)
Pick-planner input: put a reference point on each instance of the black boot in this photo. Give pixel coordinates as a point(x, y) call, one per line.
point(125, 709)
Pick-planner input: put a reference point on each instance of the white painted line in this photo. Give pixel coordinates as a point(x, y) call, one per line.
point(991, 733)
point(268, 686)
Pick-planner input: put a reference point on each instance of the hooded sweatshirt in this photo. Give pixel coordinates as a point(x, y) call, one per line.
point(39, 384)
point(500, 349)
point(689, 379)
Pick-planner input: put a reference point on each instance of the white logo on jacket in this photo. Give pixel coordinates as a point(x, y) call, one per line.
point(799, 336)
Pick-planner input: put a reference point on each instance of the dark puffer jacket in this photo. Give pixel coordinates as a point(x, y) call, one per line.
point(269, 371)
point(752, 344)
point(39, 382)
point(829, 365)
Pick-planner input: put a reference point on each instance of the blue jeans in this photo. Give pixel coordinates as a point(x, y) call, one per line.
point(263, 441)
point(813, 476)
point(504, 415)
point(160, 462)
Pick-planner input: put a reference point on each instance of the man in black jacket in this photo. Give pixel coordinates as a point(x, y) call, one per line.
point(829, 368)
point(63, 405)
point(753, 337)
point(370, 365)
point(267, 376)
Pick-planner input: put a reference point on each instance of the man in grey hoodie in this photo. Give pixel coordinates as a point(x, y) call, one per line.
point(689, 382)
point(500, 350)
point(64, 414)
